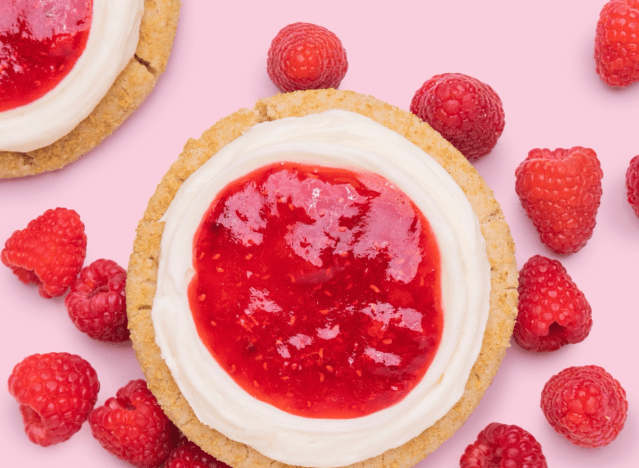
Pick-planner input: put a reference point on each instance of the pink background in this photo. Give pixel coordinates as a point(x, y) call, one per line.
point(538, 56)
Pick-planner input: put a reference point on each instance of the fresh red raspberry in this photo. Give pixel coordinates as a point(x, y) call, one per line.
point(467, 112)
point(560, 191)
point(49, 252)
point(553, 312)
point(97, 301)
point(189, 455)
point(617, 43)
point(133, 427)
point(632, 184)
point(586, 405)
point(502, 445)
point(56, 392)
point(306, 56)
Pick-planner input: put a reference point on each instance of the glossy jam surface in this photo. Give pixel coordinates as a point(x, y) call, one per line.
point(318, 290)
point(40, 42)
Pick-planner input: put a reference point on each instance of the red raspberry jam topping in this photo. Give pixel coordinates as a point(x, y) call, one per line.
point(40, 42)
point(318, 289)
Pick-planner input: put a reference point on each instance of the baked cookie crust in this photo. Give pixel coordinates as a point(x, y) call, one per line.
point(143, 267)
point(130, 89)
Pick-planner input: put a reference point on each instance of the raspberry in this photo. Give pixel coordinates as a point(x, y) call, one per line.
point(49, 252)
point(586, 405)
point(553, 312)
point(306, 56)
point(467, 112)
point(501, 445)
point(632, 184)
point(133, 427)
point(560, 191)
point(189, 455)
point(617, 43)
point(97, 302)
point(56, 392)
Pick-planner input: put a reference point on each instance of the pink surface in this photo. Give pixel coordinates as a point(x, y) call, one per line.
point(537, 56)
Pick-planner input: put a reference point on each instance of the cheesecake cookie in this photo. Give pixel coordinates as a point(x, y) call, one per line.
point(144, 265)
point(132, 86)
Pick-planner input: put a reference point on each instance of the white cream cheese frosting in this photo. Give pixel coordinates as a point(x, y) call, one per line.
point(339, 139)
point(112, 41)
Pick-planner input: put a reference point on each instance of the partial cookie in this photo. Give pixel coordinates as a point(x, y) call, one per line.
point(133, 85)
point(143, 267)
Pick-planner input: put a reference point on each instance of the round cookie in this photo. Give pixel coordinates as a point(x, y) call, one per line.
point(133, 85)
point(143, 267)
